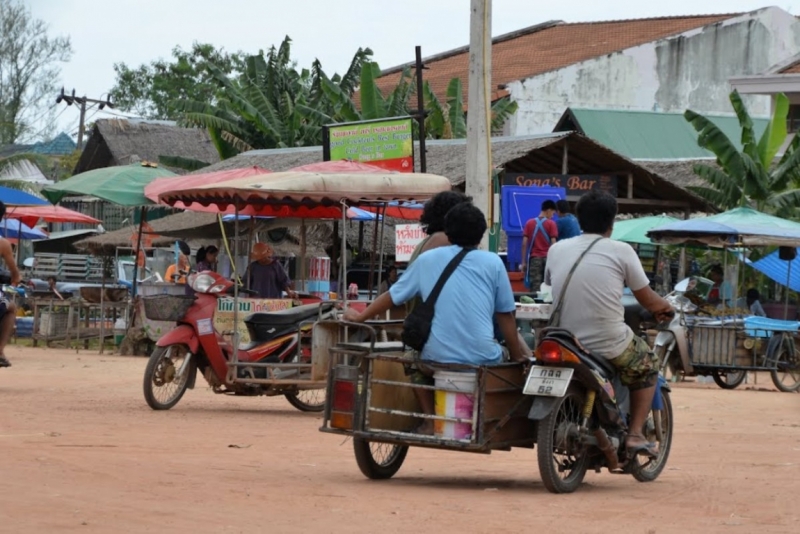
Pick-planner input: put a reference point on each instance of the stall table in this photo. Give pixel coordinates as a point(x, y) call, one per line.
point(74, 319)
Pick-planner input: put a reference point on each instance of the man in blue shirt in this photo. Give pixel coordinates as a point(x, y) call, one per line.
point(567, 223)
point(477, 291)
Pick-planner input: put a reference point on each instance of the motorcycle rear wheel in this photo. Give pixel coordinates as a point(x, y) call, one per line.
point(162, 390)
point(650, 471)
point(555, 450)
point(378, 461)
point(307, 400)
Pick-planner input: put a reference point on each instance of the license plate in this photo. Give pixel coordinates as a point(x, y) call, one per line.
point(548, 381)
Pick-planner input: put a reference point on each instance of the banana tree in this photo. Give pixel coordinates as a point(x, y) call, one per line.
point(750, 176)
point(449, 121)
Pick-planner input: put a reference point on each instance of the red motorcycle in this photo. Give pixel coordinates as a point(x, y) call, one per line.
point(277, 338)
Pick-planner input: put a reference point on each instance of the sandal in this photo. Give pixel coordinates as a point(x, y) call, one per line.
point(4, 362)
point(645, 449)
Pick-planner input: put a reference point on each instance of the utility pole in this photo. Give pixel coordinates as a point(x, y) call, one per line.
point(82, 101)
point(479, 143)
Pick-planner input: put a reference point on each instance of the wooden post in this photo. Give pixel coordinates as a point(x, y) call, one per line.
point(565, 158)
point(630, 185)
point(479, 142)
point(682, 257)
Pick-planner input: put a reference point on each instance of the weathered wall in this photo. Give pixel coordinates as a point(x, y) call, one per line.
point(686, 71)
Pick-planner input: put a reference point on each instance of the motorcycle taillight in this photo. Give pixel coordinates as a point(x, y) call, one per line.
point(344, 396)
point(549, 352)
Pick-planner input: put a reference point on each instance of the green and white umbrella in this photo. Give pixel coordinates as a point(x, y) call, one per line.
point(635, 230)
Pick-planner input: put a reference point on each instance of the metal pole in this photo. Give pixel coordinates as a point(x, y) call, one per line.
point(342, 268)
point(232, 370)
point(479, 154)
point(303, 261)
point(788, 281)
point(423, 158)
point(380, 258)
point(142, 211)
point(370, 278)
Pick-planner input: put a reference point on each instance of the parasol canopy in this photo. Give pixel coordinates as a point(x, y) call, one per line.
point(154, 188)
point(779, 270)
point(740, 226)
point(353, 214)
point(311, 194)
point(15, 197)
point(122, 185)
point(14, 229)
point(30, 215)
point(635, 230)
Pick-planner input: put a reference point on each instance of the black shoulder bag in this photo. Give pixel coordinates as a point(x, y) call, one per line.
point(417, 325)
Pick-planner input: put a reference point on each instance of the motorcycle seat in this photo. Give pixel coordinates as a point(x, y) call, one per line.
point(289, 316)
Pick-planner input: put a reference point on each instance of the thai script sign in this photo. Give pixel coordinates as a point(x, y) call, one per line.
point(407, 237)
point(387, 144)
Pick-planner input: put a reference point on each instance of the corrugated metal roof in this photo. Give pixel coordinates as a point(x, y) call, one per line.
point(648, 135)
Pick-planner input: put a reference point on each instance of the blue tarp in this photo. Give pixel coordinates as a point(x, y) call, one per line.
point(778, 270)
point(14, 197)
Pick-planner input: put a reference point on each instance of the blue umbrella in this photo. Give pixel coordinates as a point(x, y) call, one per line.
point(15, 197)
point(15, 229)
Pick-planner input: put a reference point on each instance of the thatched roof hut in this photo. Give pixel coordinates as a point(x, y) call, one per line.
point(123, 141)
point(678, 171)
point(538, 153)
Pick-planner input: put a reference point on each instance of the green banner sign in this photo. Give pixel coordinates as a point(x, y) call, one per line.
point(386, 143)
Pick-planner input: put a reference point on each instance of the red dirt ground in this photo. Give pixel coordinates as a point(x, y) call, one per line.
point(82, 452)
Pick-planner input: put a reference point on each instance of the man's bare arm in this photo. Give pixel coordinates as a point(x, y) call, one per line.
point(654, 303)
point(379, 306)
point(8, 257)
point(508, 327)
point(524, 260)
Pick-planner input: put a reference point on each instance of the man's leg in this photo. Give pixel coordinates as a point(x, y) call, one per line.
point(638, 368)
point(536, 273)
point(425, 398)
point(9, 311)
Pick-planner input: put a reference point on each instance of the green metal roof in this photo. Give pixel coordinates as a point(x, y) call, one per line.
point(648, 134)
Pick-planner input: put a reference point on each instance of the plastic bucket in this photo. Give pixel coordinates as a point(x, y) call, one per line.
point(454, 404)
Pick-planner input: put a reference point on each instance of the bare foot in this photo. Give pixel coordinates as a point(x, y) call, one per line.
point(638, 444)
point(426, 428)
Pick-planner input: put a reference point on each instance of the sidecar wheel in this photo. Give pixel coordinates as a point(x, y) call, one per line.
point(378, 461)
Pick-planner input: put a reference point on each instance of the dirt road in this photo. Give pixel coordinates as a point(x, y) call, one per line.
point(81, 452)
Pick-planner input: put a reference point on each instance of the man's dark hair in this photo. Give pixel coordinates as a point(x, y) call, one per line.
point(562, 206)
point(2, 209)
point(716, 268)
point(548, 205)
point(596, 211)
point(184, 248)
point(753, 294)
point(437, 207)
point(465, 225)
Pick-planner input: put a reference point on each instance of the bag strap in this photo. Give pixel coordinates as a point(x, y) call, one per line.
point(555, 317)
point(451, 267)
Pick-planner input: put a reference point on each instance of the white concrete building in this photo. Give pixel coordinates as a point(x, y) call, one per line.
point(661, 64)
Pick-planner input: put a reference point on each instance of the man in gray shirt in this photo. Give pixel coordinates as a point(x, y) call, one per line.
point(593, 311)
point(266, 276)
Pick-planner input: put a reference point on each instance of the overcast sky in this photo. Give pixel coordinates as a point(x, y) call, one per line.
point(105, 32)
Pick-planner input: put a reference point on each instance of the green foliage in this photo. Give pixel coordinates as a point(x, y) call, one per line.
point(186, 164)
point(748, 176)
point(29, 72)
point(449, 121)
point(150, 89)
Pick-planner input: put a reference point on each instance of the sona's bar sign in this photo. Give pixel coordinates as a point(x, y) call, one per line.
point(575, 184)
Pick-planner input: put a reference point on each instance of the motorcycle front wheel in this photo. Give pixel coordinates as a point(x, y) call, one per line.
point(562, 459)
point(658, 429)
point(163, 388)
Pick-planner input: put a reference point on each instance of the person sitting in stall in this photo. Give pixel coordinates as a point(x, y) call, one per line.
point(478, 291)
point(722, 292)
point(206, 258)
point(266, 276)
point(176, 273)
point(751, 302)
point(389, 280)
point(51, 285)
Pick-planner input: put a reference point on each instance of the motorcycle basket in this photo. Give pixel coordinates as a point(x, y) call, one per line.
point(167, 307)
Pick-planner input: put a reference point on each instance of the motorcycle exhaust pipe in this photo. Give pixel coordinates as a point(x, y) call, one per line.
point(605, 445)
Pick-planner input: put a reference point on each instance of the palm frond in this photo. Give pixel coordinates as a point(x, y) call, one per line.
point(343, 106)
point(710, 137)
point(749, 144)
point(721, 182)
point(437, 124)
point(455, 102)
point(775, 135)
point(502, 110)
point(373, 105)
point(714, 197)
point(351, 79)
